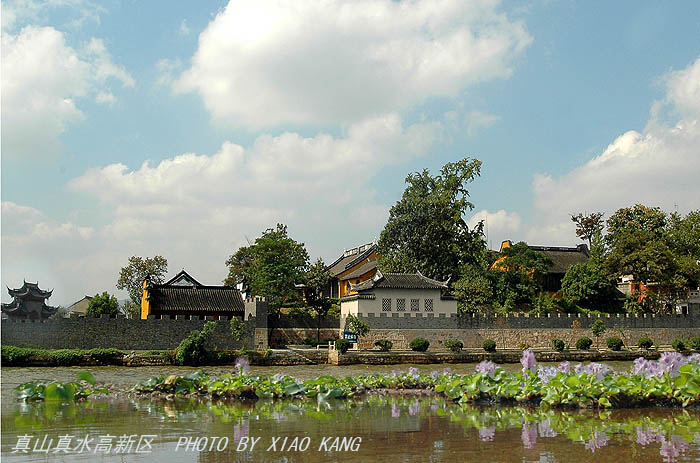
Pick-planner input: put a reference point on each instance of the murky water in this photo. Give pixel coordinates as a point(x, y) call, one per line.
point(376, 429)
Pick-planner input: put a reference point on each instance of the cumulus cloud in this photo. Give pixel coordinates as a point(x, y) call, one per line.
point(197, 209)
point(271, 62)
point(43, 80)
point(659, 166)
point(498, 226)
point(17, 13)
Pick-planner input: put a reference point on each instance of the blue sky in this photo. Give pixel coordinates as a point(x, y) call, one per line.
point(185, 129)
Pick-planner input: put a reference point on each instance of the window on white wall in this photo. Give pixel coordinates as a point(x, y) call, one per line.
point(386, 305)
point(415, 305)
point(428, 305)
point(400, 305)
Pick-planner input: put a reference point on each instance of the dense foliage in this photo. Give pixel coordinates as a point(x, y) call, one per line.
point(270, 267)
point(384, 345)
point(489, 345)
point(426, 230)
point(419, 345)
point(102, 304)
point(56, 391)
point(673, 380)
point(454, 345)
point(22, 356)
point(343, 345)
point(191, 350)
point(131, 278)
point(558, 345)
point(615, 343)
point(645, 343)
point(584, 343)
point(356, 325)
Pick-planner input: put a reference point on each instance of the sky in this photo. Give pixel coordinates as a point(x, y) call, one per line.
point(185, 129)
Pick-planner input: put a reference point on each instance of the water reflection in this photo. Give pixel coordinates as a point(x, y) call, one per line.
point(415, 427)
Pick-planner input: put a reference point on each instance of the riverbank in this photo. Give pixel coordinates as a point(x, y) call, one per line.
point(29, 357)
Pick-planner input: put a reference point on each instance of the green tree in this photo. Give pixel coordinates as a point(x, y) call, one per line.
point(517, 276)
point(271, 266)
point(426, 230)
point(317, 279)
point(598, 328)
point(131, 278)
point(102, 304)
point(588, 225)
point(356, 325)
point(474, 290)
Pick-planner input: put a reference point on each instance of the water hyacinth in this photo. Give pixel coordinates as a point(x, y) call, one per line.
point(528, 361)
point(276, 378)
point(434, 374)
point(412, 371)
point(242, 365)
point(486, 367)
point(546, 373)
point(564, 367)
point(447, 371)
point(598, 370)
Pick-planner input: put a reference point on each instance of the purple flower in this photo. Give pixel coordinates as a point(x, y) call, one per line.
point(546, 373)
point(564, 367)
point(447, 371)
point(529, 435)
point(395, 412)
point(545, 429)
point(599, 439)
point(434, 374)
point(528, 361)
point(598, 370)
point(671, 362)
point(413, 372)
point(694, 358)
point(242, 366)
point(486, 367)
point(486, 434)
point(395, 373)
point(414, 408)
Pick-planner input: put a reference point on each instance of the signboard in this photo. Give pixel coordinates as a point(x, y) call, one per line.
point(348, 336)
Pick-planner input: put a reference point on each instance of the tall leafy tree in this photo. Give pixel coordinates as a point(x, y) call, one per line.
point(426, 230)
point(517, 276)
point(587, 225)
point(271, 266)
point(132, 275)
point(102, 304)
point(317, 279)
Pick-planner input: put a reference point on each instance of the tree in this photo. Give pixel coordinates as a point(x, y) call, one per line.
point(473, 290)
point(587, 285)
point(598, 328)
point(648, 220)
point(588, 225)
point(356, 325)
point(131, 278)
point(270, 267)
point(518, 276)
point(102, 304)
point(426, 230)
point(317, 279)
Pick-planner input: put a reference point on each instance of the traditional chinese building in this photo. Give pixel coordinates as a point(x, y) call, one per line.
point(29, 301)
point(353, 267)
point(183, 295)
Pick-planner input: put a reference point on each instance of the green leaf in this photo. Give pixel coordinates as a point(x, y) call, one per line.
point(86, 376)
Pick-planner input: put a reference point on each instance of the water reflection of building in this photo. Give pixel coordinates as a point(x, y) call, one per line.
point(29, 301)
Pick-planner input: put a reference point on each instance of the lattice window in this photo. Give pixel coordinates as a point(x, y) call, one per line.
point(400, 305)
point(415, 305)
point(428, 305)
point(386, 305)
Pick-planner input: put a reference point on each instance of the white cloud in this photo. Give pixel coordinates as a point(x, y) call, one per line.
point(477, 121)
point(106, 98)
point(659, 166)
point(166, 70)
point(265, 63)
point(42, 81)
point(498, 226)
point(197, 209)
point(18, 13)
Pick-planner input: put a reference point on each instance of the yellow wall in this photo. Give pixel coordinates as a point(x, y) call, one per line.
point(364, 277)
point(145, 303)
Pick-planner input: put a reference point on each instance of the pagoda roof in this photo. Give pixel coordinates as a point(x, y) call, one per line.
point(30, 289)
point(182, 279)
point(400, 281)
point(18, 308)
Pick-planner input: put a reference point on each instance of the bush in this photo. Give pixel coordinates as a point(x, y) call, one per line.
point(558, 345)
point(584, 343)
point(454, 345)
point(419, 344)
point(342, 345)
point(102, 304)
point(489, 345)
point(679, 345)
point(615, 343)
point(645, 343)
point(694, 343)
point(356, 325)
point(191, 350)
point(384, 345)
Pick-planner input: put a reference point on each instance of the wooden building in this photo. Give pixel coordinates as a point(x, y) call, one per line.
point(352, 267)
point(29, 301)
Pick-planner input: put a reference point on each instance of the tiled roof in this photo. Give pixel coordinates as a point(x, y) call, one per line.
point(366, 267)
point(400, 281)
point(345, 262)
point(563, 257)
point(183, 279)
point(182, 299)
point(30, 289)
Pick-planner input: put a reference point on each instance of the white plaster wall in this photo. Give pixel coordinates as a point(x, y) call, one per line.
point(374, 306)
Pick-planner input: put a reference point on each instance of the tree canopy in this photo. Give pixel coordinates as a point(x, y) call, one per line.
point(426, 230)
point(132, 275)
point(102, 304)
point(270, 267)
point(587, 225)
